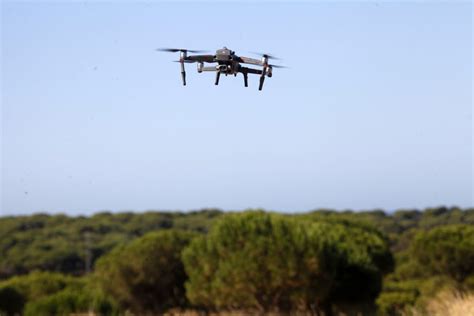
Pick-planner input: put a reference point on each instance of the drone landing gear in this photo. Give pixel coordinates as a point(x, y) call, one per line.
point(218, 74)
point(246, 81)
point(262, 79)
point(183, 73)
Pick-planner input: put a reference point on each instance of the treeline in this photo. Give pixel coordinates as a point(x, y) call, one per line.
point(254, 261)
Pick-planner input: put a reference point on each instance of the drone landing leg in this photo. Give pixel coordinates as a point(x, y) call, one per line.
point(218, 74)
point(262, 79)
point(246, 82)
point(183, 73)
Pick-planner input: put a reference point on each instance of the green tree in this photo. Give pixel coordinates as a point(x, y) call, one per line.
point(364, 258)
point(146, 275)
point(260, 261)
point(446, 250)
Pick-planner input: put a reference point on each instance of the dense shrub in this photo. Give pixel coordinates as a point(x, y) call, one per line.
point(446, 251)
point(39, 284)
point(146, 275)
point(35, 286)
point(364, 257)
point(397, 296)
point(71, 301)
point(263, 261)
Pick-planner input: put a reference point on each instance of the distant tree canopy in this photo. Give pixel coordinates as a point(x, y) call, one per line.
point(59, 243)
point(146, 275)
point(264, 261)
point(255, 261)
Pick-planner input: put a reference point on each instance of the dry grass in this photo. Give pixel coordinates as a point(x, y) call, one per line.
point(447, 303)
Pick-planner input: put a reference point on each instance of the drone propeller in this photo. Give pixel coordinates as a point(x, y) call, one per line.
point(277, 66)
point(269, 56)
point(175, 50)
point(185, 61)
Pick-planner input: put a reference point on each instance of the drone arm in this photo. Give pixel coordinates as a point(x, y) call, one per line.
point(201, 58)
point(252, 61)
point(250, 70)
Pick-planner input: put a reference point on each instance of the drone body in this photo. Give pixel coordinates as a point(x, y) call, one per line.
point(227, 63)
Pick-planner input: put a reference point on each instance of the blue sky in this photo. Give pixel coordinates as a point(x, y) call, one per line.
point(375, 110)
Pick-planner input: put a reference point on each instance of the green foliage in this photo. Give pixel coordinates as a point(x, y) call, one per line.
point(397, 296)
point(254, 260)
point(364, 259)
point(40, 284)
point(146, 275)
point(59, 242)
point(35, 286)
point(439, 259)
point(71, 300)
point(263, 261)
point(446, 251)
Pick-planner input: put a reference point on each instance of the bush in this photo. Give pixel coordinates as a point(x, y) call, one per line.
point(260, 261)
point(71, 301)
point(397, 296)
point(146, 275)
point(34, 286)
point(446, 250)
point(364, 257)
point(39, 284)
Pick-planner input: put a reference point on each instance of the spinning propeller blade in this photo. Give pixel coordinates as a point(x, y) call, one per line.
point(175, 50)
point(269, 56)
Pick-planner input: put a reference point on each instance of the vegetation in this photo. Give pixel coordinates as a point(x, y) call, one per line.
point(322, 261)
point(146, 275)
point(60, 243)
point(300, 265)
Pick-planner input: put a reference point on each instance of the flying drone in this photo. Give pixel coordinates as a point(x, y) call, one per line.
point(228, 63)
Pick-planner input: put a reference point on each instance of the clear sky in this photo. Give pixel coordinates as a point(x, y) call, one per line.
point(375, 110)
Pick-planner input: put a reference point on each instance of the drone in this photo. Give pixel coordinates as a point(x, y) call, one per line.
point(228, 63)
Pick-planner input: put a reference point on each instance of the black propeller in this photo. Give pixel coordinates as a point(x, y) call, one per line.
point(175, 50)
point(277, 66)
point(269, 56)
